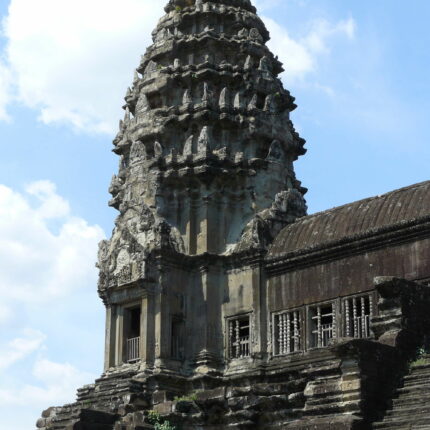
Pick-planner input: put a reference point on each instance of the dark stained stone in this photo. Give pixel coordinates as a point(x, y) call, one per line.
point(227, 307)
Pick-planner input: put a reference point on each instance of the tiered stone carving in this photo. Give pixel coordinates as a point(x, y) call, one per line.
point(206, 145)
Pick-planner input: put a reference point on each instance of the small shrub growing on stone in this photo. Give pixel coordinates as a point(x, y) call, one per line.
point(187, 398)
point(159, 422)
point(421, 357)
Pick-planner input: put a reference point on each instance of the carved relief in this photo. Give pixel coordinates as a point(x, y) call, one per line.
point(255, 35)
point(137, 151)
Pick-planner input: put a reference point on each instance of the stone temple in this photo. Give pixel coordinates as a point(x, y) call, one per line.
point(227, 306)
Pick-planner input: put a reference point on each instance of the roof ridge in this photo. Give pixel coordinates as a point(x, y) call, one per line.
point(346, 221)
point(378, 196)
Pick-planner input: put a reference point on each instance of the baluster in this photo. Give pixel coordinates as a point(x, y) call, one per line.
point(231, 342)
point(283, 334)
point(347, 319)
point(296, 331)
point(319, 328)
point(237, 339)
point(288, 317)
point(363, 317)
point(280, 335)
point(334, 321)
point(354, 315)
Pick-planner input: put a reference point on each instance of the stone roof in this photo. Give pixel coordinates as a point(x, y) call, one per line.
point(355, 219)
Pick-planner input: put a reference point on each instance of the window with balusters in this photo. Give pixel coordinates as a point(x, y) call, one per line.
point(239, 335)
point(287, 332)
point(315, 326)
point(323, 328)
point(357, 312)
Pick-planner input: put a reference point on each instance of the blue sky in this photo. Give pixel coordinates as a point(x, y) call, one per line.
point(359, 72)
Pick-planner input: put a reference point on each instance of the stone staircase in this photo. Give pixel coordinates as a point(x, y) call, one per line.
point(100, 405)
point(72, 417)
point(411, 405)
point(114, 391)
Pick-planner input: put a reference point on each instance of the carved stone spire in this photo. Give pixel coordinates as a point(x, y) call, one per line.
point(196, 142)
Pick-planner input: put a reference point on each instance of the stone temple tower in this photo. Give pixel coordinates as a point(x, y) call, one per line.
point(227, 307)
point(205, 182)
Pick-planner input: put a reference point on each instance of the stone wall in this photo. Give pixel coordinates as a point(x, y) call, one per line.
point(348, 385)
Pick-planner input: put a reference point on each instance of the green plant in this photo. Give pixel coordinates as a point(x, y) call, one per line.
point(154, 417)
point(178, 9)
point(159, 422)
point(165, 426)
point(192, 397)
point(86, 403)
point(421, 358)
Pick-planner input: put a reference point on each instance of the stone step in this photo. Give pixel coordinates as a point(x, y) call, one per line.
point(411, 399)
point(327, 409)
point(83, 419)
point(92, 426)
point(401, 426)
point(424, 366)
point(417, 379)
point(420, 389)
point(418, 410)
point(81, 426)
point(404, 422)
point(418, 370)
point(411, 406)
point(324, 400)
point(414, 370)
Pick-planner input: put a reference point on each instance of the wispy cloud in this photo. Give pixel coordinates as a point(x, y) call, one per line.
point(72, 60)
point(301, 55)
point(37, 264)
point(63, 61)
point(20, 347)
point(5, 90)
point(56, 384)
point(47, 260)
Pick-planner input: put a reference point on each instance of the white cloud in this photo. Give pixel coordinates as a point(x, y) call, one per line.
point(73, 59)
point(5, 313)
point(5, 90)
point(52, 205)
point(262, 5)
point(57, 385)
point(47, 259)
point(300, 56)
point(322, 30)
point(20, 347)
point(37, 265)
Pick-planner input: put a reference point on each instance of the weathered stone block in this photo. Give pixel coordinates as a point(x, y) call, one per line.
point(164, 408)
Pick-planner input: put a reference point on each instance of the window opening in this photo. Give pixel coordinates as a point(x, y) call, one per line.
point(357, 312)
point(287, 336)
point(132, 334)
point(177, 339)
point(323, 325)
point(239, 337)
